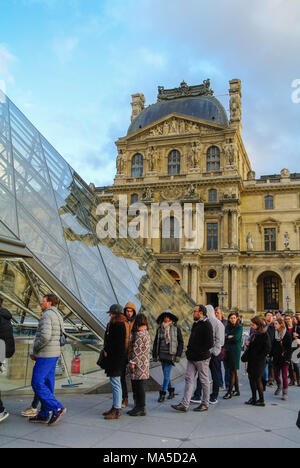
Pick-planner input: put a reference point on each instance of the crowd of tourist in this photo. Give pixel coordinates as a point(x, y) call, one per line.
point(215, 350)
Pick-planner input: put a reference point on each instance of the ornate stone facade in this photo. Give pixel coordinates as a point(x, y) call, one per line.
point(250, 260)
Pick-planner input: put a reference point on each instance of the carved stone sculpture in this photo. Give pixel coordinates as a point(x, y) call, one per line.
point(249, 241)
point(286, 241)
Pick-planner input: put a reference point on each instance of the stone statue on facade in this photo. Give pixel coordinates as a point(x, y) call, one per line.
point(286, 241)
point(148, 194)
point(249, 241)
point(194, 154)
point(120, 162)
point(230, 153)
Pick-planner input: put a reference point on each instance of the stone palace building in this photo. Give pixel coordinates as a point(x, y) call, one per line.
point(185, 148)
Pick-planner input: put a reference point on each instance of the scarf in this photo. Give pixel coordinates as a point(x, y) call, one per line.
point(278, 336)
point(166, 327)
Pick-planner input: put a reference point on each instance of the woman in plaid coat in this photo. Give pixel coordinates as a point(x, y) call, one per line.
point(139, 363)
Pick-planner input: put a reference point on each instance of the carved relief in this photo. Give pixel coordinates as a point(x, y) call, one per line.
point(230, 152)
point(174, 127)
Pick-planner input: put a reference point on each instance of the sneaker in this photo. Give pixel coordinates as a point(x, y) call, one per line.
point(29, 412)
point(38, 419)
point(213, 401)
point(56, 417)
point(195, 400)
point(201, 408)
point(180, 407)
point(4, 415)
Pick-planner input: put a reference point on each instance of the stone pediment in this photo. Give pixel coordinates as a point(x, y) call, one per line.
point(174, 124)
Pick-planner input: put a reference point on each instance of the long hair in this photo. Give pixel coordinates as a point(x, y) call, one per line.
point(282, 326)
point(260, 323)
point(140, 321)
point(229, 324)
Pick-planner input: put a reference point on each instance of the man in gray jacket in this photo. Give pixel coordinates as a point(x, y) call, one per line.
point(215, 362)
point(45, 353)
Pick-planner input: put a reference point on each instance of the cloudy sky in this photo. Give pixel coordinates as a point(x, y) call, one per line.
point(72, 65)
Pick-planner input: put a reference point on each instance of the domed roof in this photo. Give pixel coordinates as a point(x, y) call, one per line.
point(204, 107)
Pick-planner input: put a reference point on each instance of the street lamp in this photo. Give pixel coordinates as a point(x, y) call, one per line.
point(222, 295)
point(287, 303)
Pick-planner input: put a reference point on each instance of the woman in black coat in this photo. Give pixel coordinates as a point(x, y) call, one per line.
point(115, 357)
point(256, 353)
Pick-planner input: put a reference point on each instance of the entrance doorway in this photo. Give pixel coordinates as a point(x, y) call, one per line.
point(212, 298)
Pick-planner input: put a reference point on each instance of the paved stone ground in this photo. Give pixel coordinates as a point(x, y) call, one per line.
point(228, 424)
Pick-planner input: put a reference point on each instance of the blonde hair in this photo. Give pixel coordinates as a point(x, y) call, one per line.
point(282, 326)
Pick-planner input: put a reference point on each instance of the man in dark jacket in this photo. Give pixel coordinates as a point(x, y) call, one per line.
point(7, 340)
point(198, 356)
point(269, 374)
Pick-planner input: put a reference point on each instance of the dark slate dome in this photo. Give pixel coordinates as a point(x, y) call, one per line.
point(203, 107)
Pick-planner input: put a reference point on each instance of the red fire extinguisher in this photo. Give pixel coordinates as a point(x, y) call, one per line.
point(75, 364)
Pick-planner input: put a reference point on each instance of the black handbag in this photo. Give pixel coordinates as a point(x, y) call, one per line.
point(102, 360)
point(298, 421)
point(245, 355)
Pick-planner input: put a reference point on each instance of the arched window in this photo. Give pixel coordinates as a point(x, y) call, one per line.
point(137, 165)
point(134, 198)
point(269, 202)
point(170, 243)
point(213, 159)
point(174, 162)
point(212, 195)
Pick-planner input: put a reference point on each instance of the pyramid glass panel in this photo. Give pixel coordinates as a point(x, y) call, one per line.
point(46, 204)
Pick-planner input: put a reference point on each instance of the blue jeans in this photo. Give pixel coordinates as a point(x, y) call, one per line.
point(43, 384)
point(117, 391)
point(167, 369)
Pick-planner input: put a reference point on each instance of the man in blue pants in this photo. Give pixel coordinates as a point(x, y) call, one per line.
point(45, 353)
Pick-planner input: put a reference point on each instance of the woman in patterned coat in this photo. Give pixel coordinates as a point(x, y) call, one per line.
point(139, 363)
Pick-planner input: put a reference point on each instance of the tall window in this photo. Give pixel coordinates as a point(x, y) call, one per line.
point(137, 164)
point(212, 195)
point(271, 292)
point(270, 239)
point(269, 205)
point(212, 236)
point(174, 162)
point(213, 159)
point(134, 198)
point(171, 243)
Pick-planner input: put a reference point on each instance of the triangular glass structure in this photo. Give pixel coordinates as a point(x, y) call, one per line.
point(48, 207)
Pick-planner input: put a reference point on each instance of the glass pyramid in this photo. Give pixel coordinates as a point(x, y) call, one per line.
point(45, 204)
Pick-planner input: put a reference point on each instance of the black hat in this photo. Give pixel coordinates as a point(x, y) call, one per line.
point(166, 313)
point(116, 309)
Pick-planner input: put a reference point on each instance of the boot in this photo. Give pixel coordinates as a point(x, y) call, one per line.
point(108, 412)
point(278, 391)
point(162, 396)
point(137, 412)
point(171, 393)
point(285, 395)
point(124, 402)
point(115, 414)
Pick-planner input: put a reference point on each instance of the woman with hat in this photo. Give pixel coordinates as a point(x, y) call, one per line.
point(115, 357)
point(167, 347)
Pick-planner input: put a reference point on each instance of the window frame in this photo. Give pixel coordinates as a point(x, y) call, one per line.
point(174, 162)
point(137, 165)
point(213, 159)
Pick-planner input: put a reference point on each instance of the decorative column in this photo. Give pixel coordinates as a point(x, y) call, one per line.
point(252, 293)
point(225, 243)
point(194, 284)
point(185, 277)
point(234, 286)
point(226, 285)
point(288, 290)
point(234, 229)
